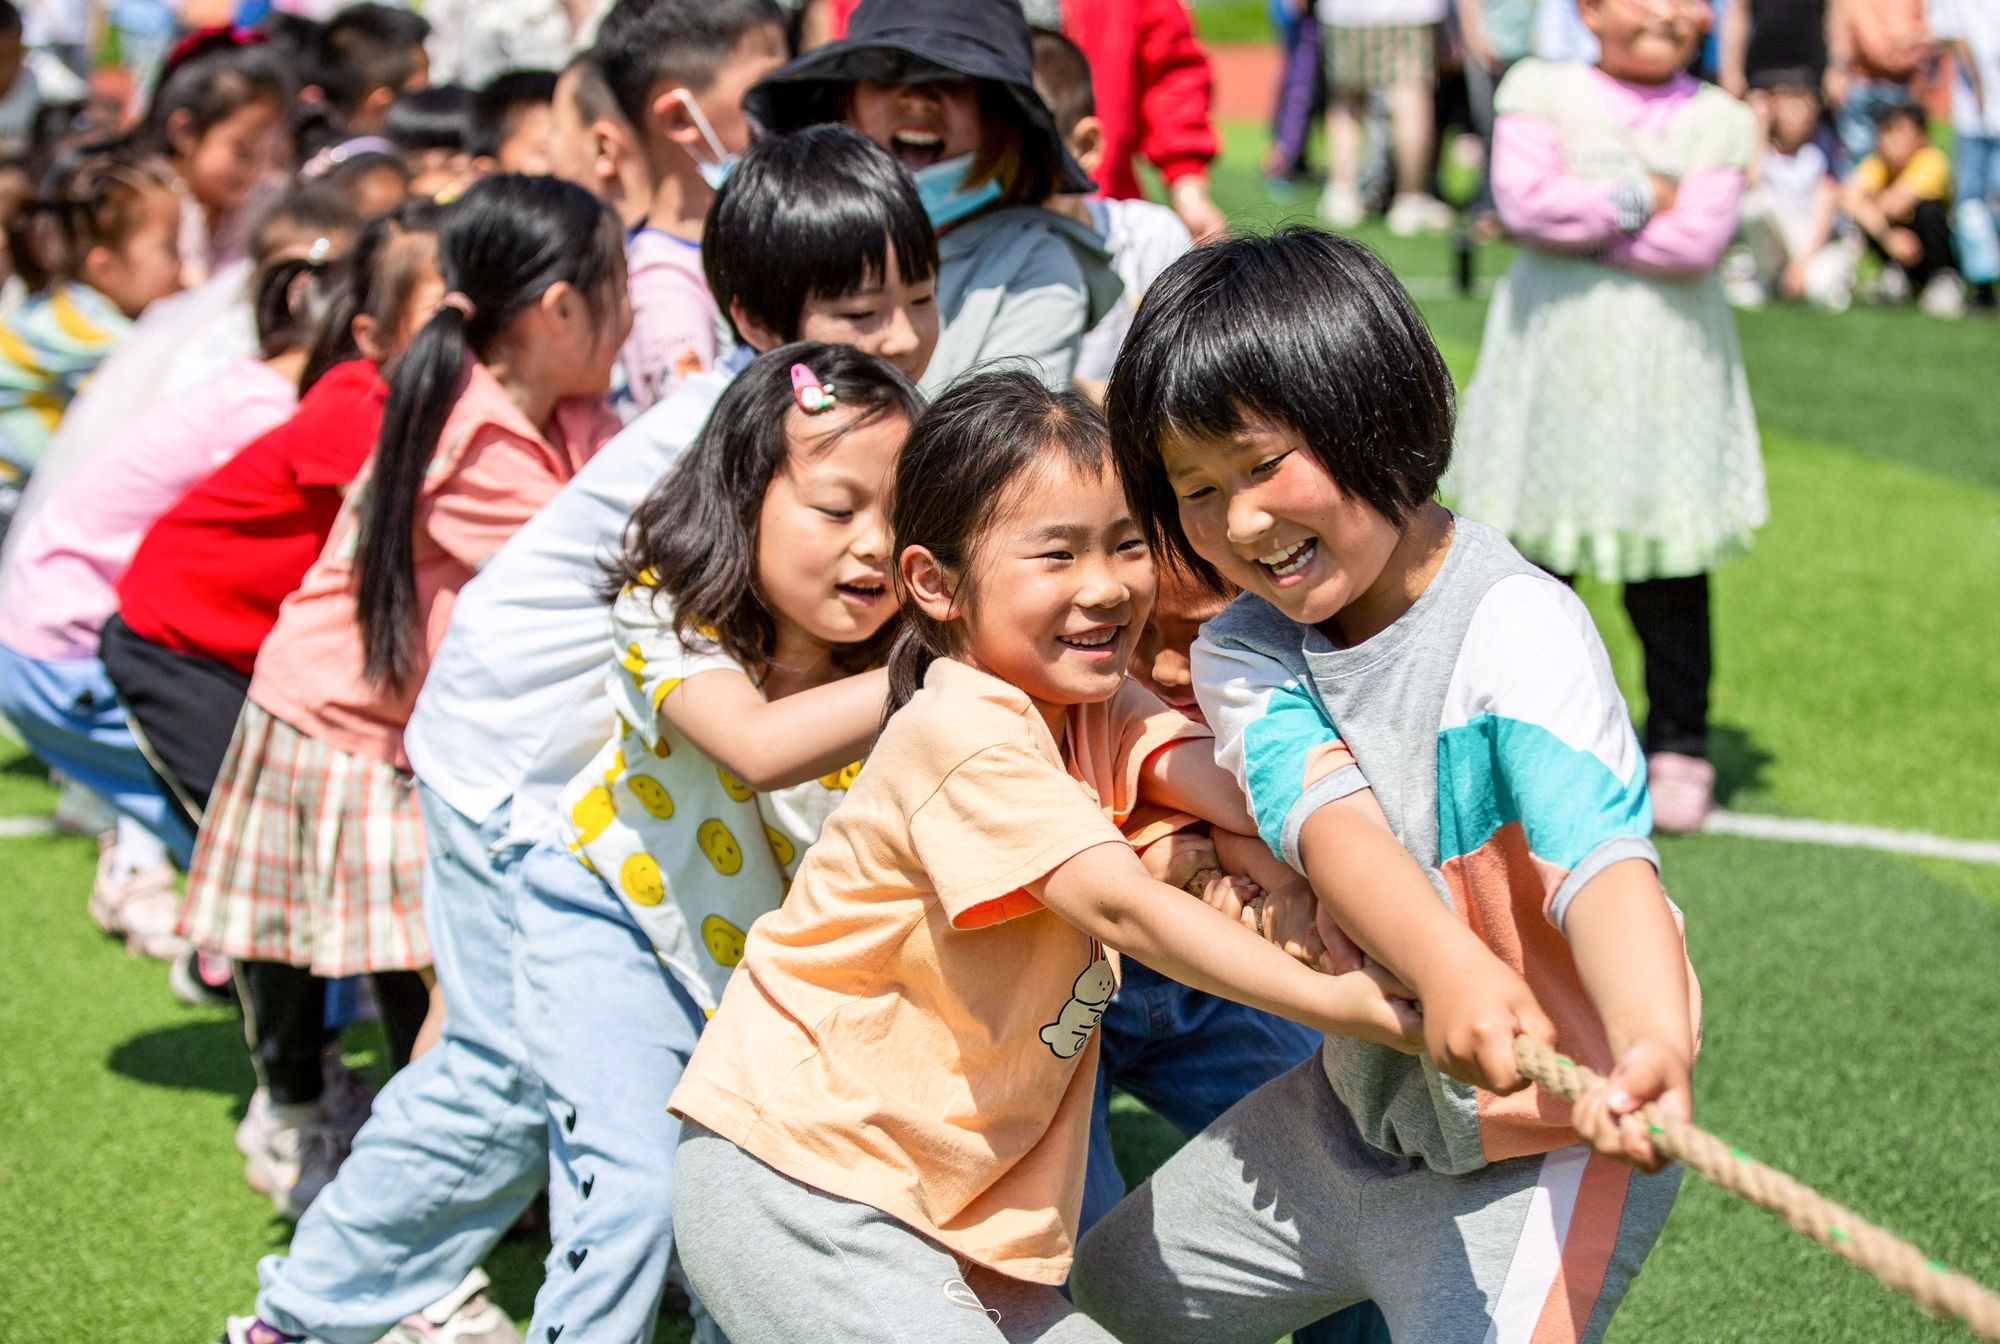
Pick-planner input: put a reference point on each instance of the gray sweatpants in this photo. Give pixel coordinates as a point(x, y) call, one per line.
point(778, 1262)
point(1279, 1213)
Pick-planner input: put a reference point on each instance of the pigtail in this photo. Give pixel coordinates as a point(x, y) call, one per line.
point(375, 278)
point(43, 242)
point(909, 660)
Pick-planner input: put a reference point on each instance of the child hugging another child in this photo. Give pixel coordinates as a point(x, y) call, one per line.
point(887, 1117)
point(1287, 417)
point(1608, 430)
point(947, 86)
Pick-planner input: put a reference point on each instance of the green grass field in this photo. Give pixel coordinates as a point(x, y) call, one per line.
point(1851, 996)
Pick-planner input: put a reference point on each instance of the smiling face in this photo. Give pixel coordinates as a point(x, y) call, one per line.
point(920, 124)
point(1647, 41)
point(1061, 585)
point(823, 533)
point(1162, 665)
point(894, 319)
point(1267, 515)
point(223, 163)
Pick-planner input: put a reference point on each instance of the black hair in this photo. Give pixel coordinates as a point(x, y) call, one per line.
point(695, 536)
point(211, 79)
point(367, 47)
point(644, 43)
point(1305, 329)
point(10, 17)
point(812, 214)
point(1795, 78)
point(501, 104)
point(439, 117)
point(95, 199)
point(1062, 77)
point(291, 295)
point(345, 164)
point(1888, 114)
point(965, 460)
point(375, 278)
point(502, 245)
point(594, 99)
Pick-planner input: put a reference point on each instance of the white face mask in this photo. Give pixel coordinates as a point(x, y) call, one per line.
point(717, 172)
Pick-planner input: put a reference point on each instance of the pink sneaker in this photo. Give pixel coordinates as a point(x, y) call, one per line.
point(1683, 789)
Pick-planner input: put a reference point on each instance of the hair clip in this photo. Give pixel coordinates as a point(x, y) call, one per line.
point(813, 395)
point(459, 303)
point(321, 249)
point(330, 158)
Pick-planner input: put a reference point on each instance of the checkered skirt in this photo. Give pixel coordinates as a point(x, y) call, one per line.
point(1362, 60)
point(309, 856)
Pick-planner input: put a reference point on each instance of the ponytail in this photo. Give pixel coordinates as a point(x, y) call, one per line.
point(96, 200)
point(501, 247)
point(376, 279)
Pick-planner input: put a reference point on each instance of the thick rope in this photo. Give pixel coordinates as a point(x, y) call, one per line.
point(1935, 1288)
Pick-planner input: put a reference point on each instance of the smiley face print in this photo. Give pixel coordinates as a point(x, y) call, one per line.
point(782, 849)
point(592, 813)
point(652, 795)
point(720, 846)
point(733, 786)
point(723, 939)
point(640, 878)
point(842, 778)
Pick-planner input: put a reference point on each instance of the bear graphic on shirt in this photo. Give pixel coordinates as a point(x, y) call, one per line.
point(1079, 1017)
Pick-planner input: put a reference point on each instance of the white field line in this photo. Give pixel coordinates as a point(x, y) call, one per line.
point(1846, 835)
point(14, 827)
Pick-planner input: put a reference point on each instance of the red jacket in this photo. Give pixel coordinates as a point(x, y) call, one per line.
point(1151, 80)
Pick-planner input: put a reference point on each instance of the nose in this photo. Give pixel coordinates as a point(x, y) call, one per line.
point(1172, 670)
point(899, 334)
point(1103, 587)
point(872, 540)
point(1247, 519)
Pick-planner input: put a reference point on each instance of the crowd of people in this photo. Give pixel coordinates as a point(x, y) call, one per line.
point(1845, 165)
point(690, 585)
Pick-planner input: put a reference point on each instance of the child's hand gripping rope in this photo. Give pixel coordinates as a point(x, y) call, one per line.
point(1938, 1290)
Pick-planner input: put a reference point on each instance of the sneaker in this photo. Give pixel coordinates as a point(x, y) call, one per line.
point(272, 1139)
point(81, 812)
point(1943, 297)
point(252, 1330)
point(151, 913)
point(347, 1100)
point(1892, 286)
point(109, 888)
point(256, 1119)
point(322, 1149)
point(1683, 789)
point(1341, 206)
point(465, 1315)
point(201, 980)
point(1416, 212)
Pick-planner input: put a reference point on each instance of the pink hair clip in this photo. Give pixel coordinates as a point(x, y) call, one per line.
point(813, 395)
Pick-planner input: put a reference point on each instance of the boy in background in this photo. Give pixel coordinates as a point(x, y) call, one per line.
point(369, 56)
point(511, 121)
point(592, 145)
point(1791, 212)
point(1900, 196)
point(678, 70)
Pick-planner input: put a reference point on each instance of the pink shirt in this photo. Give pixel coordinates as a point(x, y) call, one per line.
point(676, 325)
point(491, 472)
point(1547, 200)
point(63, 568)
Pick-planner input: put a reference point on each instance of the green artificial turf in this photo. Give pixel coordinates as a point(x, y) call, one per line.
point(1851, 996)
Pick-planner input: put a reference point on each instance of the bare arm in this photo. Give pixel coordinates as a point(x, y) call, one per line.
point(1184, 776)
point(1735, 47)
point(770, 744)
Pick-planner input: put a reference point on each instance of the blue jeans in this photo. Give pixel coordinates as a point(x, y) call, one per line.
point(609, 1030)
point(67, 711)
point(1854, 120)
point(1976, 219)
point(457, 1144)
point(1190, 1056)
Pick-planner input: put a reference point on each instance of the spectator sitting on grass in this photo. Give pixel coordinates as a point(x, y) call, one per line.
point(1791, 212)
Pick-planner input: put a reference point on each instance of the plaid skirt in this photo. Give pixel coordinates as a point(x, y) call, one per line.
point(309, 856)
point(1362, 60)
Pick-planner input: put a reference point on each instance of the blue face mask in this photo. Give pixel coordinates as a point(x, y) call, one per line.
point(716, 171)
point(946, 198)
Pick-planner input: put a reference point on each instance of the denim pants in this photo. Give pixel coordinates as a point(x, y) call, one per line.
point(1976, 218)
point(457, 1145)
point(67, 711)
point(609, 1030)
point(1854, 120)
point(1191, 1056)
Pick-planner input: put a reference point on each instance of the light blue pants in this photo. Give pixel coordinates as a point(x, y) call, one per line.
point(1854, 120)
point(67, 711)
point(457, 1144)
point(1975, 221)
point(610, 1031)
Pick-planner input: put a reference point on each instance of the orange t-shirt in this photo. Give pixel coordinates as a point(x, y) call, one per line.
point(912, 1030)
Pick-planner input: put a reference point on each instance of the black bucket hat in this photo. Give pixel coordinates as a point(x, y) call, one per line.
point(893, 41)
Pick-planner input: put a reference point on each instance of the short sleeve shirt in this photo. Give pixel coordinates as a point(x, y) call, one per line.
point(913, 1030)
point(694, 851)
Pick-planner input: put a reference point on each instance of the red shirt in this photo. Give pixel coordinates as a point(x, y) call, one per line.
point(211, 574)
point(1150, 78)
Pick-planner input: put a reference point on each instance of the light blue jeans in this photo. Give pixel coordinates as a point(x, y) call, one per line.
point(609, 1030)
point(67, 711)
point(457, 1145)
point(1854, 120)
point(1190, 1056)
point(1975, 221)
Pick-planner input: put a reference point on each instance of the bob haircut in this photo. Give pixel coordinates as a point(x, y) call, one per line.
point(1304, 329)
point(813, 214)
point(697, 531)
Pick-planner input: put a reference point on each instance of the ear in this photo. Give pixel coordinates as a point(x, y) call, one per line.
point(755, 334)
point(99, 264)
point(364, 332)
point(368, 118)
point(671, 118)
point(1086, 144)
point(611, 145)
point(560, 303)
point(181, 138)
point(927, 582)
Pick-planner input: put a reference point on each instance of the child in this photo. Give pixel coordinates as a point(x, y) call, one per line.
point(831, 243)
point(1792, 209)
point(678, 69)
point(1143, 237)
point(496, 403)
point(93, 250)
point(947, 86)
point(217, 117)
point(1386, 50)
point(63, 565)
point(1622, 181)
point(755, 587)
point(592, 145)
point(511, 123)
point(1971, 32)
point(369, 56)
point(434, 129)
point(887, 1117)
point(1900, 198)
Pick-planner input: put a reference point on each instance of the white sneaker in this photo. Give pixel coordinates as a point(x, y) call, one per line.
point(151, 914)
point(1944, 296)
point(465, 1315)
point(272, 1139)
point(1342, 206)
point(1416, 213)
point(256, 1119)
point(1892, 286)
